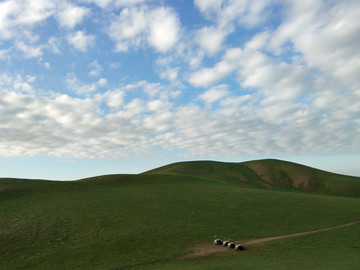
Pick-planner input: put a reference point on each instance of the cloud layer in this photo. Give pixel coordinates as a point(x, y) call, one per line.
point(241, 81)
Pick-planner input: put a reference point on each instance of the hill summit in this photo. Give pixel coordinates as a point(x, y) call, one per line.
point(270, 174)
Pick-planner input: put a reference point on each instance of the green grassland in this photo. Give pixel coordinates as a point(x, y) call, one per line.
point(152, 220)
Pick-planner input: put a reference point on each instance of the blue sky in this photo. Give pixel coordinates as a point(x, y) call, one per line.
point(93, 87)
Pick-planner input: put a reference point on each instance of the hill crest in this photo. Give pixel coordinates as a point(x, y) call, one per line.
point(270, 174)
point(266, 174)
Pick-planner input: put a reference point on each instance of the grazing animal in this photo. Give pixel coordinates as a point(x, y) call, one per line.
point(239, 247)
point(231, 245)
point(218, 242)
point(225, 243)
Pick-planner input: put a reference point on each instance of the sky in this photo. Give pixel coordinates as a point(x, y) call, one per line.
point(92, 87)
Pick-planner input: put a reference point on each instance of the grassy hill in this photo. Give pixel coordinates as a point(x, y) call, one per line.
point(152, 220)
point(267, 174)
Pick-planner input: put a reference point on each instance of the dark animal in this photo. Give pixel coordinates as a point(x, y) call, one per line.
point(218, 242)
point(239, 247)
point(225, 243)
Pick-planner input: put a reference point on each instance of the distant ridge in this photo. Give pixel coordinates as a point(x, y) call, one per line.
point(267, 174)
point(270, 174)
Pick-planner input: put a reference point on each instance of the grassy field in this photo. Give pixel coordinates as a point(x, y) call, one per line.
point(152, 220)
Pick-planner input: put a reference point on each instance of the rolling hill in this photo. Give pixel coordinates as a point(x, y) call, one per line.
point(154, 220)
point(267, 174)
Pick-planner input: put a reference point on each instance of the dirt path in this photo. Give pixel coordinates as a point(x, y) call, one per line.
point(206, 250)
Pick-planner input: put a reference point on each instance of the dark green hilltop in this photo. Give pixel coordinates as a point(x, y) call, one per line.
point(167, 218)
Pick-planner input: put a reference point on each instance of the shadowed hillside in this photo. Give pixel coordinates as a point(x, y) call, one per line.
point(276, 173)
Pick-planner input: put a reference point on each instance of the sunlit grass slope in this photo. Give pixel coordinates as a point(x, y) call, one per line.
point(151, 220)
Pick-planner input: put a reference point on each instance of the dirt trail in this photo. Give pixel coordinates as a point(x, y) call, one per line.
point(206, 250)
point(262, 240)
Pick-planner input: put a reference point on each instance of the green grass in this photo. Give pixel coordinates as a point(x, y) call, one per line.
point(283, 174)
point(331, 250)
point(150, 221)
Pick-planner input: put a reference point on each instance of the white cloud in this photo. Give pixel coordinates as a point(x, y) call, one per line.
point(164, 29)
point(208, 6)
point(61, 125)
point(293, 88)
point(258, 42)
point(115, 65)
point(47, 65)
point(214, 94)
point(168, 69)
point(54, 44)
point(137, 26)
point(80, 41)
point(152, 89)
point(333, 47)
point(232, 103)
point(18, 18)
point(29, 51)
point(17, 83)
point(226, 17)
point(114, 98)
point(326, 36)
point(169, 73)
point(127, 28)
point(158, 122)
point(211, 39)
point(299, 90)
point(102, 82)
point(70, 15)
point(157, 105)
point(246, 12)
point(207, 76)
point(78, 86)
point(276, 82)
point(255, 14)
point(95, 68)
point(115, 3)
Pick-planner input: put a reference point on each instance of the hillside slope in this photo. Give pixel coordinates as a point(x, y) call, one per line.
point(267, 174)
point(220, 172)
point(277, 173)
point(153, 220)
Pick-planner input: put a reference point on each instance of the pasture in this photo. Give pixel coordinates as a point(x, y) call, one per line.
point(156, 219)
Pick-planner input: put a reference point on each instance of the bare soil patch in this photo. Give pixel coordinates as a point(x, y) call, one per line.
point(210, 249)
point(206, 250)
